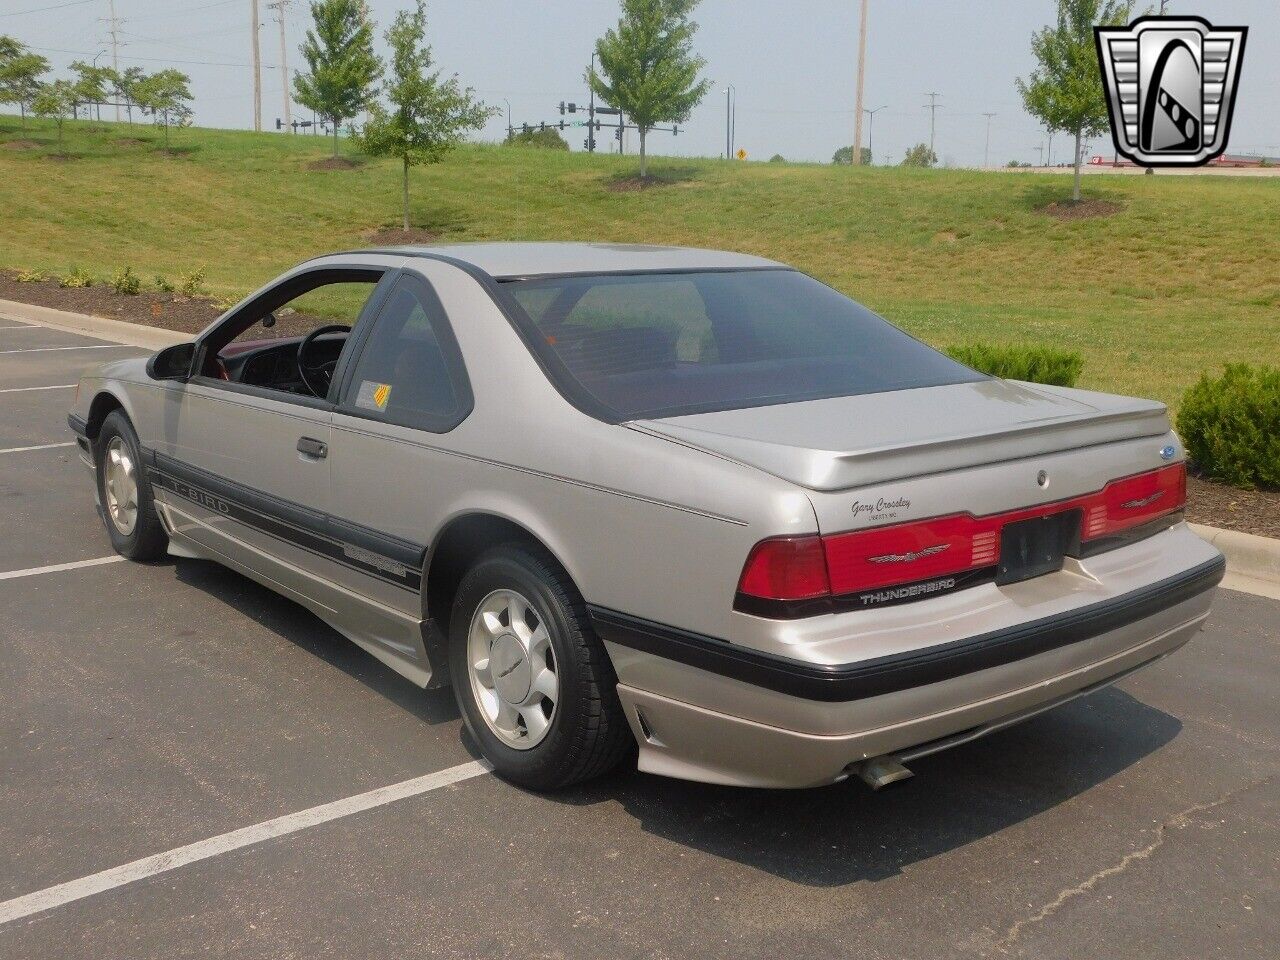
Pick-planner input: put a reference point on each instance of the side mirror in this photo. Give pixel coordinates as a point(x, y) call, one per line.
point(172, 363)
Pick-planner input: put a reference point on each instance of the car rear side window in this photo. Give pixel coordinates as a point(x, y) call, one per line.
point(410, 369)
point(650, 345)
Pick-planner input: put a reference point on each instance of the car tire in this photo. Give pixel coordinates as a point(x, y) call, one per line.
point(586, 733)
point(124, 492)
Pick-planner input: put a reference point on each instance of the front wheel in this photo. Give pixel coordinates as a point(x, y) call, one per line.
point(128, 509)
point(534, 684)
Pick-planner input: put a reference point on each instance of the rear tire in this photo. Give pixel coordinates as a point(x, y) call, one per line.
point(128, 507)
point(533, 681)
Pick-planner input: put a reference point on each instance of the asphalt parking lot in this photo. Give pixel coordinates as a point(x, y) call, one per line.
point(147, 708)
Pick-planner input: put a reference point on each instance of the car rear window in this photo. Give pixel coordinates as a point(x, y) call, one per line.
point(665, 344)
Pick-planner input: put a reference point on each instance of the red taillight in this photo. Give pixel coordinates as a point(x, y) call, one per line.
point(805, 568)
point(1135, 500)
point(786, 568)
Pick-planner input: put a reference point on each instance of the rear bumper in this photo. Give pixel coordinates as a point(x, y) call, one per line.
point(796, 724)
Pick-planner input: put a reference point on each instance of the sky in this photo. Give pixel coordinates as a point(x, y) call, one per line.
point(792, 65)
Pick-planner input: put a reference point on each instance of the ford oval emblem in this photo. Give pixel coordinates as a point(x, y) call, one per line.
point(1167, 453)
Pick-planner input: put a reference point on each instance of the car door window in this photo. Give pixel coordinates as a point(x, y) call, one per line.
point(410, 370)
point(258, 347)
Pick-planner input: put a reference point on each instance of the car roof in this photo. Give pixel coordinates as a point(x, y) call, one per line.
point(504, 261)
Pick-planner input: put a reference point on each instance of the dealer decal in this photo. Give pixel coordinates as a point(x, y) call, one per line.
point(373, 396)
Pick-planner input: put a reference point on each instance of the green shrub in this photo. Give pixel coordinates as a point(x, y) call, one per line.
point(1058, 368)
point(126, 281)
point(1231, 426)
point(30, 276)
point(163, 284)
point(76, 279)
point(546, 139)
point(192, 284)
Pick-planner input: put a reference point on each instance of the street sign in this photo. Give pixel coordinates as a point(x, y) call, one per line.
point(742, 154)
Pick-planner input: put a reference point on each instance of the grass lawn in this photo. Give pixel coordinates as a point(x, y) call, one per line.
point(1184, 277)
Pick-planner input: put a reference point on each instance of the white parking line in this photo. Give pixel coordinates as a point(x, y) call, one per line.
point(73, 890)
point(42, 446)
point(59, 567)
point(23, 326)
point(56, 386)
point(91, 346)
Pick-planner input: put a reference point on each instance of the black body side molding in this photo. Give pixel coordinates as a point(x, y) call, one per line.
point(834, 683)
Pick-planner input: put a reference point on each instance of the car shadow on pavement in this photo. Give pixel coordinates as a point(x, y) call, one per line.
point(299, 626)
point(844, 833)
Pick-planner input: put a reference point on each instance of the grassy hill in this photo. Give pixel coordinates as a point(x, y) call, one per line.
point(1183, 276)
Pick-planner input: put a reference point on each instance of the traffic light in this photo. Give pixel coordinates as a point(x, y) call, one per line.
point(675, 131)
point(561, 124)
point(617, 134)
point(279, 123)
point(562, 108)
point(573, 108)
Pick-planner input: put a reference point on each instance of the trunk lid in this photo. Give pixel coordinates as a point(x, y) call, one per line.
point(846, 442)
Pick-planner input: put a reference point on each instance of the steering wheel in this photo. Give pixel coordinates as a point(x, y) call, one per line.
point(317, 377)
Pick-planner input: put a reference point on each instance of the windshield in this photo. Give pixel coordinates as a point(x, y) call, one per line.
point(666, 344)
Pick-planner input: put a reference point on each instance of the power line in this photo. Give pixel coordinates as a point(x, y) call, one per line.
point(56, 6)
point(194, 63)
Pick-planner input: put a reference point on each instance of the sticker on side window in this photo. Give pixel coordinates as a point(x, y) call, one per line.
point(373, 396)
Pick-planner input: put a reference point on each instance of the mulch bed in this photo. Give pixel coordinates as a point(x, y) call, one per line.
point(395, 236)
point(1249, 511)
point(1084, 210)
point(21, 145)
point(334, 163)
point(167, 310)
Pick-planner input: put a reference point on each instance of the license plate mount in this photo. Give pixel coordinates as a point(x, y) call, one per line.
point(1032, 548)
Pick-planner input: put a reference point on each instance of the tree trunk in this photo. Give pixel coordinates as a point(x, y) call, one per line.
point(166, 130)
point(644, 166)
point(335, 137)
point(22, 108)
point(1075, 190)
point(404, 193)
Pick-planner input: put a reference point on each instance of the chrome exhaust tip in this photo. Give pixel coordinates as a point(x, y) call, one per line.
point(880, 772)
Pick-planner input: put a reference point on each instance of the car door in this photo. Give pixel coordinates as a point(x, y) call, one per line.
point(243, 469)
point(404, 388)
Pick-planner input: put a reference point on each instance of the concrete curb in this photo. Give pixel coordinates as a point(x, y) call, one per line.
point(1253, 562)
point(117, 331)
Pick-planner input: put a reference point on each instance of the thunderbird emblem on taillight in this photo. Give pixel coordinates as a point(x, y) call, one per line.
point(910, 556)
point(1144, 502)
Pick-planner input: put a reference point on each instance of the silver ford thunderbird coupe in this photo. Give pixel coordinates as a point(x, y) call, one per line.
point(685, 505)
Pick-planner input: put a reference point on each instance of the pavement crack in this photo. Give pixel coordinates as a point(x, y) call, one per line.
point(1179, 821)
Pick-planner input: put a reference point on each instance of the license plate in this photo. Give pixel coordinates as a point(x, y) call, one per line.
point(1032, 548)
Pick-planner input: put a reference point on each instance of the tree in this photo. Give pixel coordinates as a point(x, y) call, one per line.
point(920, 156)
point(167, 97)
point(55, 101)
point(428, 115)
point(545, 138)
point(777, 158)
point(647, 67)
point(342, 70)
point(125, 86)
point(844, 156)
point(20, 73)
point(1065, 90)
point(92, 83)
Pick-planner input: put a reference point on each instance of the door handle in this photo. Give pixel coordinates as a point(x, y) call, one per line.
point(310, 447)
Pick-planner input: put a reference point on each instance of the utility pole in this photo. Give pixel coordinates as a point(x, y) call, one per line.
point(280, 6)
point(728, 122)
point(1040, 151)
point(113, 28)
point(591, 108)
point(862, 70)
point(871, 129)
point(257, 67)
point(986, 152)
point(932, 107)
